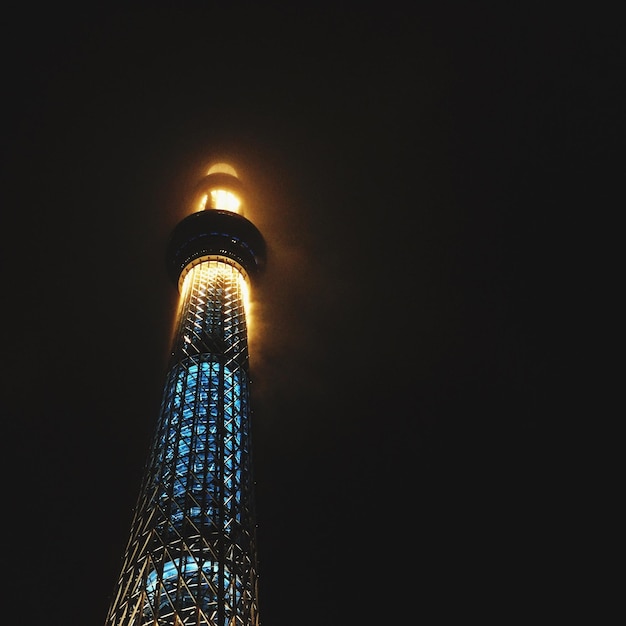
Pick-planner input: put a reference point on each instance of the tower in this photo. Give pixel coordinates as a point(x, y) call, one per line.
point(191, 556)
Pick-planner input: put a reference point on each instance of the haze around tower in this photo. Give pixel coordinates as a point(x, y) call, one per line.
point(420, 175)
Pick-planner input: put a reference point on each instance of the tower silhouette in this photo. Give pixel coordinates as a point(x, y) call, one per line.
point(191, 556)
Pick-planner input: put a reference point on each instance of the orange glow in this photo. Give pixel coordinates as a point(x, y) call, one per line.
point(218, 266)
point(202, 202)
point(245, 292)
point(248, 306)
point(222, 168)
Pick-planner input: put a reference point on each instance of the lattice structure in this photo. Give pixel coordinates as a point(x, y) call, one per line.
point(191, 557)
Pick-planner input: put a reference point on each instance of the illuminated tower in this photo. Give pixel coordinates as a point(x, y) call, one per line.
point(191, 556)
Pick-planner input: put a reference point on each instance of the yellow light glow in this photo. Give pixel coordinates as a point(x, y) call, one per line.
point(248, 307)
point(245, 293)
point(202, 202)
point(222, 168)
point(225, 200)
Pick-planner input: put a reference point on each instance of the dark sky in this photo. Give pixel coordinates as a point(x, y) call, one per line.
point(417, 174)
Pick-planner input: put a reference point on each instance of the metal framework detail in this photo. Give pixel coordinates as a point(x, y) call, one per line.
point(191, 556)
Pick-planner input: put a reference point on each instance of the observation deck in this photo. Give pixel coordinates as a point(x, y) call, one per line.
point(214, 234)
point(216, 230)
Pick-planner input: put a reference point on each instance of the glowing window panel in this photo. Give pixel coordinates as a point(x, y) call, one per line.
point(191, 441)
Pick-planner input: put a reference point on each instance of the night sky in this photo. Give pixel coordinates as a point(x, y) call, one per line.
point(417, 175)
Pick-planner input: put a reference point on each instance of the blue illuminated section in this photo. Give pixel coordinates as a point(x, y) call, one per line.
point(203, 443)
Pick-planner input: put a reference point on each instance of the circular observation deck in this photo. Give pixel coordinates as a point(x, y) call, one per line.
point(215, 234)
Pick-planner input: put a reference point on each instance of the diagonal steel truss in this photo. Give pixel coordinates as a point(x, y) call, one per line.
point(191, 556)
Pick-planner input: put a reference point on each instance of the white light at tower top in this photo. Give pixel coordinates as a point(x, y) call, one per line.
point(221, 198)
point(224, 200)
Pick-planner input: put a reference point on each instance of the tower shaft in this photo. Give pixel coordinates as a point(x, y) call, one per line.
point(191, 556)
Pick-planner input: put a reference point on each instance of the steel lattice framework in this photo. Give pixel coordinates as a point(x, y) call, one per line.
point(191, 556)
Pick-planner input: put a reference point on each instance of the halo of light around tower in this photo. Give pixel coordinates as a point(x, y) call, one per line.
point(222, 168)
